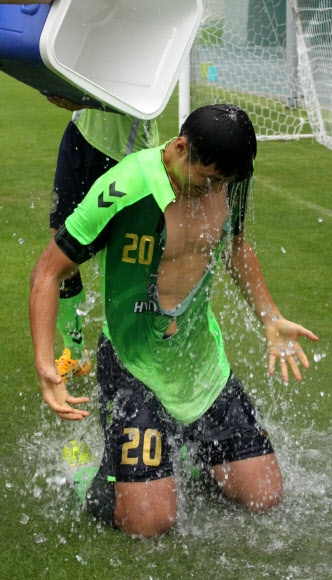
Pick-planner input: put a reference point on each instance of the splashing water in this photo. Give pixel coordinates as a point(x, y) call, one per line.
point(289, 542)
point(212, 536)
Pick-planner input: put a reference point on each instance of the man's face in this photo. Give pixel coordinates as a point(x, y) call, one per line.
point(198, 180)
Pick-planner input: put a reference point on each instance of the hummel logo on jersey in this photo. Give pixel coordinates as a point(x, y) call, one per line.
point(112, 193)
point(145, 306)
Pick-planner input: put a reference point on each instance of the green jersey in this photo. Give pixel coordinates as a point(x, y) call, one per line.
point(116, 135)
point(123, 217)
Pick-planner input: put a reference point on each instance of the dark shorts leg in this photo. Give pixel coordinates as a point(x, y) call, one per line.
point(136, 426)
point(78, 166)
point(229, 430)
point(138, 430)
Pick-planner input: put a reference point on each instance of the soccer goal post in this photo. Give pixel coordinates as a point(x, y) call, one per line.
point(273, 58)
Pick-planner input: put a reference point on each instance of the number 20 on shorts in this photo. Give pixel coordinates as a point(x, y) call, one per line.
point(151, 449)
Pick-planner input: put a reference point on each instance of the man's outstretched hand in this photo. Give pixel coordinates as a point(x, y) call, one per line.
point(282, 342)
point(56, 396)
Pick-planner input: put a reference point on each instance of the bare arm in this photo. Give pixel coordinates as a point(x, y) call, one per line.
point(50, 270)
point(281, 334)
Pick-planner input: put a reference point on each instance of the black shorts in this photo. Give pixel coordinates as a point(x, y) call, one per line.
point(142, 438)
point(78, 166)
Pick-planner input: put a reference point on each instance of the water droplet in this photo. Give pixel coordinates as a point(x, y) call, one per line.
point(115, 561)
point(40, 538)
point(24, 519)
point(37, 492)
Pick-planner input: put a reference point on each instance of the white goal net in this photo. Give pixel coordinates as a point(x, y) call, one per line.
point(273, 58)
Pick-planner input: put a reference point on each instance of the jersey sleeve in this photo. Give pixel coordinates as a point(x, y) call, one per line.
point(87, 229)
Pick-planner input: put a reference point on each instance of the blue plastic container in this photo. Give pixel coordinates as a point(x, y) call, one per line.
point(21, 26)
point(20, 29)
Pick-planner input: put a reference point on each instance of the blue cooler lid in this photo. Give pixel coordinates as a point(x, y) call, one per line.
point(20, 28)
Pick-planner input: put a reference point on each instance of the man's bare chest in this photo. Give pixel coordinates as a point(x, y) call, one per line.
point(194, 226)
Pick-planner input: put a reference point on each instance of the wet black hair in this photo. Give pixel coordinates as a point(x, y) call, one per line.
point(222, 134)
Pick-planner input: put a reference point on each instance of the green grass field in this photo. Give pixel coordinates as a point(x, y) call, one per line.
point(43, 532)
